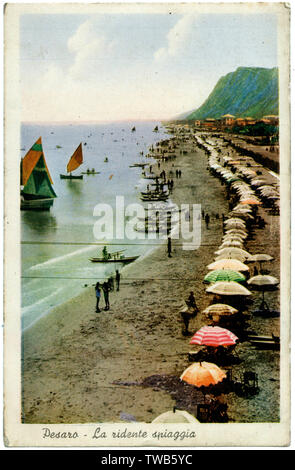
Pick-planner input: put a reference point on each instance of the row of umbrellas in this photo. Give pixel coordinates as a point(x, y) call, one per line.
point(226, 272)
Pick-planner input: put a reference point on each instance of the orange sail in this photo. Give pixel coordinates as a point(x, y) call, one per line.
point(76, 159)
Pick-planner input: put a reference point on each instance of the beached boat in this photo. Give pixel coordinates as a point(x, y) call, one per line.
point(75, 161)
point(36, 183)
point(135, 165)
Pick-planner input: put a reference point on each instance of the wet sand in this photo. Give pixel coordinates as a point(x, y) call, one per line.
point(80, 366)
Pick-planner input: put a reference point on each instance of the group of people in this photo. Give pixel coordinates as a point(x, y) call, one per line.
point(106, 287)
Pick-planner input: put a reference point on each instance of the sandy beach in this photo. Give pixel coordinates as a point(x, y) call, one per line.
point(80, 366)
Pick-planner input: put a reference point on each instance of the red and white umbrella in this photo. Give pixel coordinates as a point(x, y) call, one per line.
point(214, 336)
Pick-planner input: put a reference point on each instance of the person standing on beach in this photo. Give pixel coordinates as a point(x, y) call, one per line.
point(207, 220)
point(97, 293)
point(105, 288)
point(118, 276)
point(169, 247)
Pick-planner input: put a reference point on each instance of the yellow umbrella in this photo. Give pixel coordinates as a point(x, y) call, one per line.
point(226, 263)
point(203, 374)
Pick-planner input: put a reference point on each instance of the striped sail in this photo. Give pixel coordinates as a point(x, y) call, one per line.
point(35, 176)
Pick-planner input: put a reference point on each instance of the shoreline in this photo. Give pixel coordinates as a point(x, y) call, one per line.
point(73, 373)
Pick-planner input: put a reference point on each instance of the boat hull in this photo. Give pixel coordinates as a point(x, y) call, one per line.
point(71, 177)
point(128, 259)
point(36, 204)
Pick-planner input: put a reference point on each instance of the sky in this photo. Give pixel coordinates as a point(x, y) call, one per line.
point(108, 66)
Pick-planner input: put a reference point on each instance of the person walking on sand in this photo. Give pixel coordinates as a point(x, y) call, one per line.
point(105, 288)
point(207, 220)
point(169, 247)
point(98, 294)
point(118, 276)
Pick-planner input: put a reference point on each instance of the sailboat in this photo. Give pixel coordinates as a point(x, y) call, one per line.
point(36, 183)
point(75, 161)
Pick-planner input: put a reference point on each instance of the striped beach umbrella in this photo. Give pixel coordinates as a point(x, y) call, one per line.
point(220, 309)
point(203, 374)
point(214, 336)
point(224, 275)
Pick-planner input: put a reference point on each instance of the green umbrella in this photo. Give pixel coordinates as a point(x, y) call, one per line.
point(224, 275)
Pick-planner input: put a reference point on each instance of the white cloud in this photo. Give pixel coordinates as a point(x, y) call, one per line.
point(90, 47)
point(177, 38)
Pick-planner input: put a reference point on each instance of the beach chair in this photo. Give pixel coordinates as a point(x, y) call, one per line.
point(249, 384)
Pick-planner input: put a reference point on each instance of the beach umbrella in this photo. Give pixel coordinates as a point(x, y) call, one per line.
point(241, 214)
point(235, 220)
point(214, 336)
point(203, 374)
point(261, 257)
point(240, 232)
point(228, 288)
point(232, 243)
point(235, 256)
point(232, 251)
point(234, 225)
point(224, 275)
point(251, 201)
point(242, 209)
point(227, 263)
point(175, 416)
point(263, 281)
point(232, 237)
point(220, 309)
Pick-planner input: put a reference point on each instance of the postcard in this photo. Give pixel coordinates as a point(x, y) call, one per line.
point(147, 225)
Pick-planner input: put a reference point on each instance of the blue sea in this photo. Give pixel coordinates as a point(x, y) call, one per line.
point(59, 242)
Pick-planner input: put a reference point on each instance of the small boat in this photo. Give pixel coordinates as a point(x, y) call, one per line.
point(75, 161)
point(141, 165)
point(114, 257)
point(90, 172)
point(156, 129)
point(36, 183)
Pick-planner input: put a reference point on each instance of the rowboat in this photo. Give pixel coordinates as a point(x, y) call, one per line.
point(125, 259)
